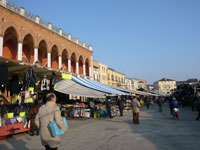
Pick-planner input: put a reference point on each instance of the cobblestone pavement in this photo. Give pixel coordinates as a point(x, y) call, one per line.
point(156, 131)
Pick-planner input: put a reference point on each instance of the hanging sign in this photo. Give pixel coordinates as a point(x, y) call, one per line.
point(66, 76)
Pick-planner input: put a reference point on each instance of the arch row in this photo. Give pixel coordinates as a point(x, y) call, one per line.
point(30, 48)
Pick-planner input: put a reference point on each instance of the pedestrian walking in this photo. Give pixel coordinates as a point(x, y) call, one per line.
point(121, 106)
point(92, 107)
point(148, 102)
point(175, 108)
point(170, 105)
point(160, 103)
point(32, 114)
point(49, 111)
point(135, 105)
point(108, 107)
point(198, 105)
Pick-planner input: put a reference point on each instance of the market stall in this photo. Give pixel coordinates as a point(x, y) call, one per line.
point(20, 84)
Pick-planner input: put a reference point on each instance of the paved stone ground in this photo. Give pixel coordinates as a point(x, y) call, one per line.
point(157, 131)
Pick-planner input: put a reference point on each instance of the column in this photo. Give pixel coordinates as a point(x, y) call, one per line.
point(19, 51)
point(1, 45)
point(36, 54)
point(69, 65)
point(90, 71)
point(59, 62)
point(49, 59)
point(77, 67)
point(91, 66)
point(84, 70)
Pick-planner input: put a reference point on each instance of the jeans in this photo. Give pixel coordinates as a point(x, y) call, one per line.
point(121, 111)
point(136, 118)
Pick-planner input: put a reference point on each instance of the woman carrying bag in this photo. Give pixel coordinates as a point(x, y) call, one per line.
point(48, 112)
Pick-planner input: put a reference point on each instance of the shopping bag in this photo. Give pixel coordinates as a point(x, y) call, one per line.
point(55, 130)
point(22, 114)
point(65, 121)
point(10, 115)
point(11, 121)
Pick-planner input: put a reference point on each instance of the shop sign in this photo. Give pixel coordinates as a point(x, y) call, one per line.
point(66, 76)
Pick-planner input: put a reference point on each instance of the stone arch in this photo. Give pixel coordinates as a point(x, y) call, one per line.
point(33, 34)
point(42, 53)
point(54, 57)
point(73, 63)
point(15, 27)
point(65, 57)
point(87, 65)
point(80, 62)
point(28, 49)
point(44, 39)
point(10, 44)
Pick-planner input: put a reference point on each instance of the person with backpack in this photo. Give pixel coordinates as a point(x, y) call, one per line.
point(175, 108)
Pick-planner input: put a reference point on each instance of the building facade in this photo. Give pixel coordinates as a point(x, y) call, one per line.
point(165, 85)
point(150, 87)
point(28, 38)
point(96, 72)
point(100, 72)
point(142, 84)
point(128, 84)
point(137, 83)
point(103, 72)
point(116, 78)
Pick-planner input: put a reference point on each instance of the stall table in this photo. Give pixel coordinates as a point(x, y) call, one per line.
point(12, 129)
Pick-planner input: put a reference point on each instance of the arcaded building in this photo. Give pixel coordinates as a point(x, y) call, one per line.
point(28, 38)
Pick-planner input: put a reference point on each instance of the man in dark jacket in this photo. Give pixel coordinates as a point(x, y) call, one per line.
point(198, 105)
point(108, 106)
point(160, 103)
point(121, 106)
point(148, 101)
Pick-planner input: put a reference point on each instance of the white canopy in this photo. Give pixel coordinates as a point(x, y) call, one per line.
point(71, 87)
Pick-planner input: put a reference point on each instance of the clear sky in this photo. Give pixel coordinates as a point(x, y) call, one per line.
point(145, 39)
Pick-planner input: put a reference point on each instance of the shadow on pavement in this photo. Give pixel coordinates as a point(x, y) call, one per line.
point(165, 133)
point(14, 144)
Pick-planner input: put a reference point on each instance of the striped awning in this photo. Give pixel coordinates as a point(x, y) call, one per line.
point(71, 87)
point(97, 86)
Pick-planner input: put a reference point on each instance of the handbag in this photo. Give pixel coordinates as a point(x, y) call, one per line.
point(55, 130)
